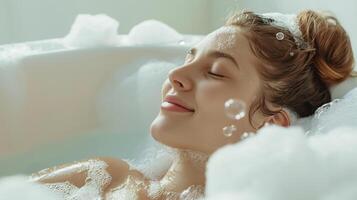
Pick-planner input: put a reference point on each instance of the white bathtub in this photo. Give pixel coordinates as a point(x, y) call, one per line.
point(56, 106)
point(59, 105)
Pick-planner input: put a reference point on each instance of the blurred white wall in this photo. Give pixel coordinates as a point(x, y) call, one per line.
point(28, 20)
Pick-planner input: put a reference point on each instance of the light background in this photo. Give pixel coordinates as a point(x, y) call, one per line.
point(28, 20)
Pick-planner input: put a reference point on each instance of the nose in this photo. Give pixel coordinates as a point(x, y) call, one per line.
point(179, 79)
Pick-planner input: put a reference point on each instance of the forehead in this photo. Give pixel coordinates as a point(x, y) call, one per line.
point(223, 38)
point(228, 39)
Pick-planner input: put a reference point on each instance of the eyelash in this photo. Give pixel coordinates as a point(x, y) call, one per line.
point(210, 73)
point(217, 75)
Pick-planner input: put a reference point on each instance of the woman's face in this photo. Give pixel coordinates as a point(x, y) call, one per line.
point(218, 68)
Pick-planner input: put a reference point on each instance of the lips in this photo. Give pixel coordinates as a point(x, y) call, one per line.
point(174, 100)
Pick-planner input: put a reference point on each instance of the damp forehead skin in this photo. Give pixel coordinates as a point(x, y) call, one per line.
point(225, 38)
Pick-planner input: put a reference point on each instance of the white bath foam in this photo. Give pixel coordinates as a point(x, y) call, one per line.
point(151, 77)
point(153, 32)
point(282, 163)
point(154, 161)
point(96, 179)
point(19, 188)
point(341, 111)
point(92, 30)
point(11, 53)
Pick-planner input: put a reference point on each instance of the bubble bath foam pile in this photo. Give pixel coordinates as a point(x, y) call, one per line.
point(92, 30)
point(101, 30)
point(284, 163)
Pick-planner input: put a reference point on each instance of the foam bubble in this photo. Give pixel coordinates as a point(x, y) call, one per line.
point(92, 30)
point(11, 53)
point(153, 32)
point(282, 163)
point(154, 162)
point(19, 187)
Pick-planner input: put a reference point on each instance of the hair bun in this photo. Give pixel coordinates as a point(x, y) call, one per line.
point(333, 59)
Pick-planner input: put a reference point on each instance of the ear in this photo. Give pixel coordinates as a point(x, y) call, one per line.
point(281, 118)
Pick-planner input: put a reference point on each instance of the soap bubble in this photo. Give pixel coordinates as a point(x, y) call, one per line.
point(319, 116)
point(246, 135)
point(229, 130)
point(324, 108)
point(234, 108)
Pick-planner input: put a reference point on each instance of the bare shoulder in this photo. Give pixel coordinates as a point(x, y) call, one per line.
point(116, 166)
point(118, 170)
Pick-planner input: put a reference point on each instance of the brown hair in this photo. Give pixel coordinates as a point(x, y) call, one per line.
point(297, 76)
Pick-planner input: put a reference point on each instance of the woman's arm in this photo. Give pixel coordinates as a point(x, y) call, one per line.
point(76, 173)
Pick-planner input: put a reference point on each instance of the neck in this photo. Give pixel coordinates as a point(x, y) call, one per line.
point(187, 169)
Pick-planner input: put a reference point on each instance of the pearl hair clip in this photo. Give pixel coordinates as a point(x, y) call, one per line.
point(286, 21)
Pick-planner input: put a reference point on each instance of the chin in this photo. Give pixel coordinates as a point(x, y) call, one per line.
point(169, 133)
point(154, 131)
point(162, 135)
point(158, 130)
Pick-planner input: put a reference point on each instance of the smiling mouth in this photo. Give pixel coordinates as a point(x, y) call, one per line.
point(174, 107)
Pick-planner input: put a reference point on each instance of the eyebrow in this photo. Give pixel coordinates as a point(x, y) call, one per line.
point(217, 54)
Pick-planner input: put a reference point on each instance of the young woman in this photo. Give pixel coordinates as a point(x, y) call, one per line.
point(277, 64)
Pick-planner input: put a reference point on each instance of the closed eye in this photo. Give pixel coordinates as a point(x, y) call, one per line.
point(213, 74)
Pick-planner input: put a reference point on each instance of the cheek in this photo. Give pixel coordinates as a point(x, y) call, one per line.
point(211, 135)
point(211, 108)
point(212, 98)
point(210, 103)
point(213, 118)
